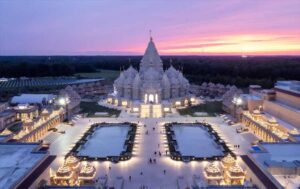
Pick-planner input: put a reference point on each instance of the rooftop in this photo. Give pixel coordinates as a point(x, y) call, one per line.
point(288, 86)
point(283, 151)
point(16, 160)
point(32, 98)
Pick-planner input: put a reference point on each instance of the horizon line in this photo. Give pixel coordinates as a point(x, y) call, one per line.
point(211, 55)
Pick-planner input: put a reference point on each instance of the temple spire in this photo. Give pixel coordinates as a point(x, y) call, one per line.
point(150, 35)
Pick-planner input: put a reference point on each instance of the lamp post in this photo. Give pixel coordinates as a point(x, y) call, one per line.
point(64, 101)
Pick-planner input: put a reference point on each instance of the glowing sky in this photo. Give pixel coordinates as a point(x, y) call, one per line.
point(91, 27)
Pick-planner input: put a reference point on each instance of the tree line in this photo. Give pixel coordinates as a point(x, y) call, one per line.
point(218, 69)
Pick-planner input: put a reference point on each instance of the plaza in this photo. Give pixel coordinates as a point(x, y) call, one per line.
point(147, 142)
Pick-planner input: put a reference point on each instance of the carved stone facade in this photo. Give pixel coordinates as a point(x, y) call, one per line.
point(151, 84)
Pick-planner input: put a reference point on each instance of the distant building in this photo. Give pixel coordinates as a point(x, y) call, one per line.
point(18, 161)
point(26, 111)
point(274, 114)
point(3, 79)
point(210, 89)
point(229, 100)
point(72, 100)
point(38, 99)
point(280, 162)
point(93, 87)
point(7, 116)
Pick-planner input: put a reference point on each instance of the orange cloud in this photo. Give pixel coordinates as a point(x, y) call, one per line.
point(240, 44)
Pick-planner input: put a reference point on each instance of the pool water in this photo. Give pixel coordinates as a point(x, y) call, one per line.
point(256, 148)
point(195, 141)
point(105, 141)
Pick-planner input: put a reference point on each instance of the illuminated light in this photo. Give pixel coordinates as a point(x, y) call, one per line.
point(109, 100)
point(64, 101)
point(177, 103)
point(23, 106)
point(239, 101)
point(124, 103)
point(166, 109)
point(135, 109)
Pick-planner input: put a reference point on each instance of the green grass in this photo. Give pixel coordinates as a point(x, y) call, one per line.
point(106, 74)
point(211, 108)
point(92, 107)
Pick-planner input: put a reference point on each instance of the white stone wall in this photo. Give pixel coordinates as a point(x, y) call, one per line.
point(289, 115)
point(288, 99)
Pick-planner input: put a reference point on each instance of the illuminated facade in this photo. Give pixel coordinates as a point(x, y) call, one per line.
point(26, 111)
point(274, 114)
point(151, 86)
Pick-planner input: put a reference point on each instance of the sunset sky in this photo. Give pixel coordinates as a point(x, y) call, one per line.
point(121, 27)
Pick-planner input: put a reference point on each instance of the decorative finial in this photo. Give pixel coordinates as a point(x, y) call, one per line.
point(150, 34)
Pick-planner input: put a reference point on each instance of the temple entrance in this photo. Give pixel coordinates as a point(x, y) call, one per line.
point(151, 110)
point(145, 110)
point(151, 98)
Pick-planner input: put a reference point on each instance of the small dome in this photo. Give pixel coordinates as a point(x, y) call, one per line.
point(72, 161)
point(211, 85)
point(87, 170)
point(172, 72)
point(294, 132)
point(165, 80)
point(137, 80)
point(228, 160)
point(212, 170)
point(64, 171)
point(120, 79)
point(45, 112)
point(6, 132)
point(130, 71)
point(236, 170)
point(256, 111)
point(272, 120)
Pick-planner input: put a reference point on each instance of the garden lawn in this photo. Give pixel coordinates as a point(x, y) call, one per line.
point(92, 107)
point(106, 74)
point(211, 108)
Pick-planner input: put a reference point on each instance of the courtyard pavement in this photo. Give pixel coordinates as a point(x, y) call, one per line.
point(138, 167)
